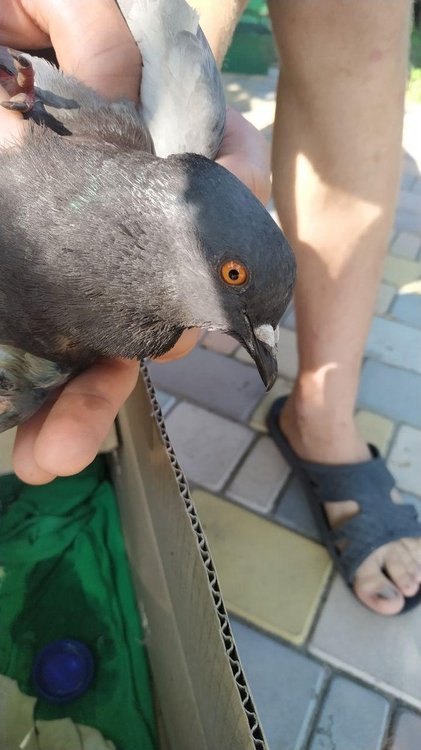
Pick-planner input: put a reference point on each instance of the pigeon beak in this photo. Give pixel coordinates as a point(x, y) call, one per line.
point(262, 345)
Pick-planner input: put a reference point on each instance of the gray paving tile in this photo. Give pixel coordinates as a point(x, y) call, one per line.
point(409, 201)
point(220, 383)
point(404, 459)
point(288, 321)
point(260, 478)
point(294, 511)
point(406, 732)
point(352, 718)
point(207, 446)
point(407, 181)
point(412, 500)
point(383, 651)
point(407, 304)
point(385, 295)
point(220, 342)
point(285, 686)
point(406, 245)
point(392, 392)
point(407, 221)
point(166, 401)
point(395, 344)
point(410, 166)
point(287, 354)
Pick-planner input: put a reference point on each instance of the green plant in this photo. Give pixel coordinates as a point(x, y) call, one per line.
point(414, 81)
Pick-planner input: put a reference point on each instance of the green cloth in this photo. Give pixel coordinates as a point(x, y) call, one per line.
point(65, 575)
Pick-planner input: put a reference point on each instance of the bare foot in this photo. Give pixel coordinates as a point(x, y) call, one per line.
point(327, 438)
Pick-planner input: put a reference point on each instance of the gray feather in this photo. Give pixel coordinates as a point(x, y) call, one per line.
point(26, 382)
point(109, 250)
point(182, 97)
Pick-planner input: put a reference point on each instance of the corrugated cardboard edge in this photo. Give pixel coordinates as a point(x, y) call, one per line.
point(203, 693)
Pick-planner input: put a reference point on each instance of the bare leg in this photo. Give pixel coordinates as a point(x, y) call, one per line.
point(336, 163)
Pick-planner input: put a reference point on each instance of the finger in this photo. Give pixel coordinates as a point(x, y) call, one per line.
point(246, 154)
point(184, 345)
point(18, 29)
point(12, 124)
point(81, 418)
point(92, 42)
point(24, 463)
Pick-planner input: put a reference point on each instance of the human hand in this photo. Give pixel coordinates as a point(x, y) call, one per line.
point(92, 42)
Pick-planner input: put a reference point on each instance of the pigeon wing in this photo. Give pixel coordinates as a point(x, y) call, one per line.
point(182, 97)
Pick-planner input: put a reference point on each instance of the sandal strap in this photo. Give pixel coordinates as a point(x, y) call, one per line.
point(371, 528)
point(333, 483)
point(379, 520)
point(369, 483)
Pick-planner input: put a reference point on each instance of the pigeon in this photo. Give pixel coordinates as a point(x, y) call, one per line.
point(118, 230)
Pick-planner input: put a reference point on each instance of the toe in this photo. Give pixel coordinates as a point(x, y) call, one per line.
point(375, 590)
point(414, 548)
point(402, 568)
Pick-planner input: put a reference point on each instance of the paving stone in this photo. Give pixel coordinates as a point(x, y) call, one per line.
point(407, 181)
point(406, 245)
point(220, 342)
point(407, 220)
point(407, 304)
point(410, 165)
point(395, 344)
point(407, 732)
point(294, 510)
point(287, 354)
point(269, 576)
point(409, 201)
point(288, 319)
point(404, 460)
point(399, 271)
point(416, 187)
point(383, 651)
point(385, 295)
point(352, 718)
point(412, 500)
point(392, 392)
point(285, 686)
point(165, 400)
point(375, 429)
point(258, 419)
point(208, 447)
point(220, 383)
point(260, 477)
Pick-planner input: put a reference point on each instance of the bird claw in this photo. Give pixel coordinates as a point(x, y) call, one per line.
point(19, 103)
point(19, 83)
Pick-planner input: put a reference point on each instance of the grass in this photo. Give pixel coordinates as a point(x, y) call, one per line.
point(414, 81)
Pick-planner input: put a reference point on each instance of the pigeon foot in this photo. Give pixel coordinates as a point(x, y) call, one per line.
point(19, 83)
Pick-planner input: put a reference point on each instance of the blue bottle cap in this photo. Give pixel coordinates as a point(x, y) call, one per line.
point(63, 670)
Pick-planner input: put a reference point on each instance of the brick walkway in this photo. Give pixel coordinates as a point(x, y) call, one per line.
point(325, 673)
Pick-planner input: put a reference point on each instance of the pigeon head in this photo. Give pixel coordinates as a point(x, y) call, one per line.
point(233, 263)
point(118, 251)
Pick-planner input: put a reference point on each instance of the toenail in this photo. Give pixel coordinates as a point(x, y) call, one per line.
point(388, 593)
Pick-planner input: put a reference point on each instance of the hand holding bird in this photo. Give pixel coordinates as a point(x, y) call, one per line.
point(65, 438)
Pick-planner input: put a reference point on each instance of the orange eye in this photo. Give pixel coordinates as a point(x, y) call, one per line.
point(234, 273)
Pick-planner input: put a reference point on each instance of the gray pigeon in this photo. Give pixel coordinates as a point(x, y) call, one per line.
point(111, 247)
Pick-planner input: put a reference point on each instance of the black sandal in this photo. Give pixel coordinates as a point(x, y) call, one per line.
point(370, 484)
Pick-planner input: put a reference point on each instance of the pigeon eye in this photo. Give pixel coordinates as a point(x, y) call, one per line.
point(234, 273)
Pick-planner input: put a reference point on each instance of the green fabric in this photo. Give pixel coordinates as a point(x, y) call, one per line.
point(65, 575)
